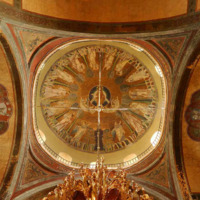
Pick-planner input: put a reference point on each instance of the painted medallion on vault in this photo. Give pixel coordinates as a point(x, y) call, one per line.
point(98, 91)
point(5, 109)
point(193, 116)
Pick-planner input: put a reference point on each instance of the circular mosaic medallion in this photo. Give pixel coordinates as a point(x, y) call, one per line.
point(98, 89)
point(193, 116)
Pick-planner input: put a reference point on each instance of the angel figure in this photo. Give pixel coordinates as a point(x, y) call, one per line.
point(118, 131)
point(92, 58)
point(76, 63)
point(67, 118)
point(54, 92)
point(79, 132)
point(85, 107)
point(114, 106)
point(138, 75)
point(140, 108)
point(141, 93)
point(58, 73)
point(124, 59)
point(135, 123)
point(109, 57)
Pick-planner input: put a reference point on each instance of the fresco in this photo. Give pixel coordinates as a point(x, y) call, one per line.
point(31, 40)
point(98, 91)
point(5, 110)
point(193, 116)
point(172, 46)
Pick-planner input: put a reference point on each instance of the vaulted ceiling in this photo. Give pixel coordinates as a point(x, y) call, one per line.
point(135, 55)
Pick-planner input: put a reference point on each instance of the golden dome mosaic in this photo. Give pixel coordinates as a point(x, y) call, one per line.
point(97, 90)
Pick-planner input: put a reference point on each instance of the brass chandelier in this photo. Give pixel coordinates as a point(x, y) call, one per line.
point(98, 184)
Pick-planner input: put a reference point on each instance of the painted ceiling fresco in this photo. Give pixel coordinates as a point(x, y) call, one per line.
point(53, 112)
point(99, 97)
point(98, 89)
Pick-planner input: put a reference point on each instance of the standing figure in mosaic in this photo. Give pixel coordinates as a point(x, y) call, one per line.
point(67, 118)
point(58, 73)
point(135, 123)
point(138, 75)
point(76, 63)
point(109, 57)
point(92, 58)
point(140, 93)
point(124, 59)
point(55, 92)
point(118, 131)
point(79, 132)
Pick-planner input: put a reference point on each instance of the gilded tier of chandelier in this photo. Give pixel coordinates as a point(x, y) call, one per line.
point(98, 184)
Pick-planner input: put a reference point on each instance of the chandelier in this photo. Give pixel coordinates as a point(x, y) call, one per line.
point(98, 184)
